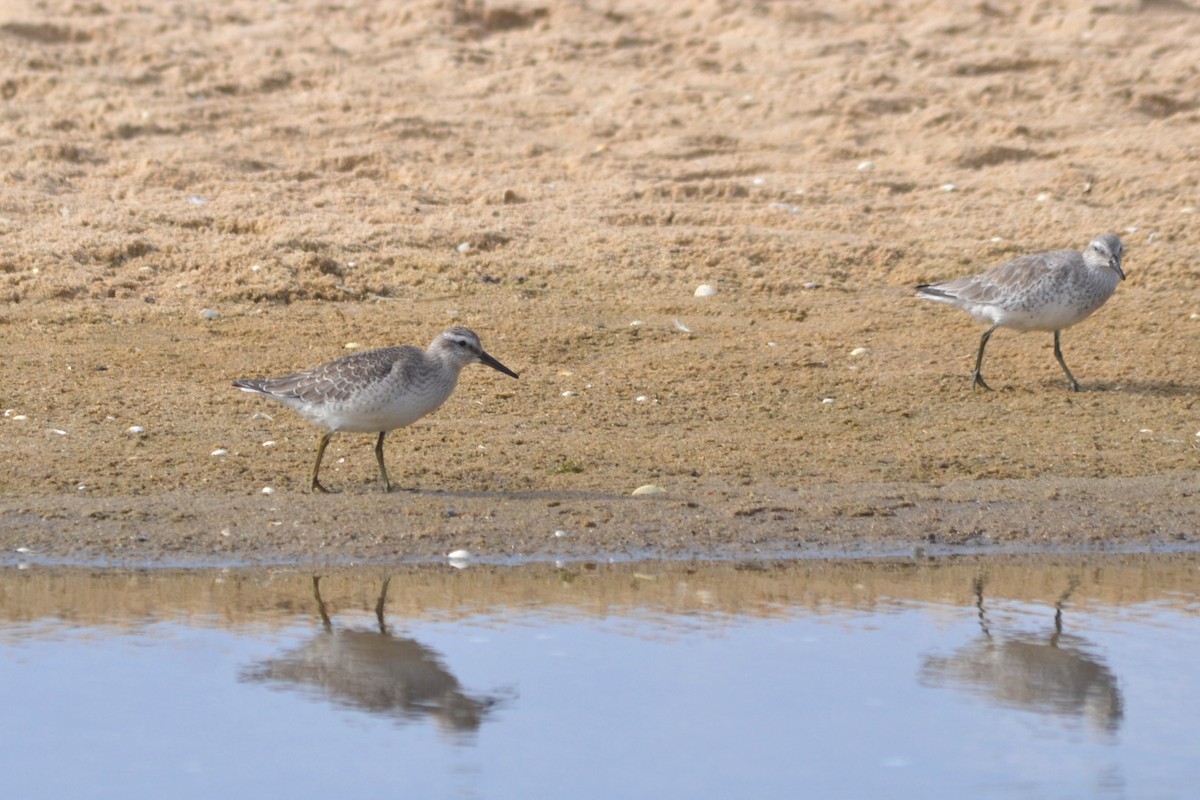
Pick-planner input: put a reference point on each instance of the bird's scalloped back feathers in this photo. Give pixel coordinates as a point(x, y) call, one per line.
point(339, 380)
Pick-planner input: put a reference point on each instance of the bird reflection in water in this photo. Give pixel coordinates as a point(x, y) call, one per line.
point(375, 671)
point(1055, 675)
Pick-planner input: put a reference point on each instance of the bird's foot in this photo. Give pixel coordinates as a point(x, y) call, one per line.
point(317, 487)
point(977, 380)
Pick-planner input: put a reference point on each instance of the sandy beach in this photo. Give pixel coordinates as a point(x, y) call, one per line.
point(195, 193)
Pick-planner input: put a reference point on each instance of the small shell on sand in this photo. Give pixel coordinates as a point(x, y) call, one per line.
point(705, 290)
point(649, 488)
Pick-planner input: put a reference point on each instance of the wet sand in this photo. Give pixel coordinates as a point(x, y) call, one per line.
point(193, 195)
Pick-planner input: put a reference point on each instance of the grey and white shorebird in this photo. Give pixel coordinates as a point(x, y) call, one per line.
point(376, 391)
point(1038, 292)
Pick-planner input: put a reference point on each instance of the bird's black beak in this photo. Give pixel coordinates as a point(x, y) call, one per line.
point(1115, 263)
point(484, 358)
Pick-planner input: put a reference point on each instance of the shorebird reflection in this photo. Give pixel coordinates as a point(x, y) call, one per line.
point(374, 671)
point(1055, 674)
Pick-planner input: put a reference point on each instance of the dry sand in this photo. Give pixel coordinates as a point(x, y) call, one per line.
point(560, 176)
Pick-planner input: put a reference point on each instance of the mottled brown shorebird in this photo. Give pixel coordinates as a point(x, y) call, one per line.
point(376, 391)
point(1039, 292)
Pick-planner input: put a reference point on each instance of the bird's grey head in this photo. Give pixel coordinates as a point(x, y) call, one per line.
point(460, 346)
point(1106, 250)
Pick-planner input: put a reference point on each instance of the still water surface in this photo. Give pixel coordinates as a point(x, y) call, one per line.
point(892, 680)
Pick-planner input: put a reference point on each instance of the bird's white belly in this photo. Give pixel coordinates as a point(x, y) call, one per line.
point(1049, 317)
point(379, 411)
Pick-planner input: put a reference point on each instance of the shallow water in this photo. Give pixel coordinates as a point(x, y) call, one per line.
point(978, 678)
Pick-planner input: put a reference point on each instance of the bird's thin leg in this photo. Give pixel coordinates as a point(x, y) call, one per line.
point(387, 485)
point(977, 379)
point(1058, 354)
point(321, 445)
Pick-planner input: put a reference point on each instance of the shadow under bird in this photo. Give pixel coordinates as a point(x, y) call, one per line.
point(376, 391)
point(1038, 292)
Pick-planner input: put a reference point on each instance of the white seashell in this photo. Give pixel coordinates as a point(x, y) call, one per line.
point(866, 166)
point(269, 443)
point(220, 452)
point(464, 247)
point(680, 326)
point(569, 393)
point(1043, 197)
point(58, 431)
point(949, 187)
point(705, 290)
point(136, 429)
point(561, 534)
point(268, 490)
point(859, 351)
point(827, 401)
point(649, 488)
point(458, 555)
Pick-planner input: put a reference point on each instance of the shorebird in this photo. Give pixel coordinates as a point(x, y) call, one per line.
point(376, 391)
point(1038, 292)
